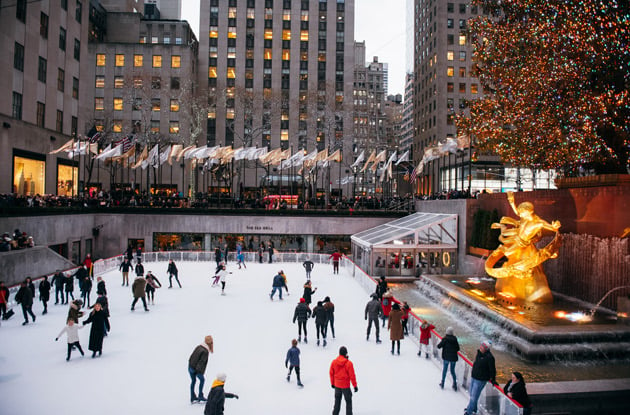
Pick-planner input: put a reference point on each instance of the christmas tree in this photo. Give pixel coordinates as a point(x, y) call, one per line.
point(556, 79)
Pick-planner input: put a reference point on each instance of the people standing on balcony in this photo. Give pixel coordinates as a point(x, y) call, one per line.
point(450, 347)
point(308, 266)
point(336, 256)
point(394, 325)
point(483, 370)
point(425, 337)
point(373, 310)
point(44, 293)
point(301, 314)
point(172, 272)
point(125, 266)
point(515, 389)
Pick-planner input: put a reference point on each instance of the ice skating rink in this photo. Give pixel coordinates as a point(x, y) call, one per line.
point(143, 369)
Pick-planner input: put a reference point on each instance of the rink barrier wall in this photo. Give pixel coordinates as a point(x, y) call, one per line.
point(492, 400)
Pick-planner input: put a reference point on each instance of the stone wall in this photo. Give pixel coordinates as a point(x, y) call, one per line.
point(32, 262)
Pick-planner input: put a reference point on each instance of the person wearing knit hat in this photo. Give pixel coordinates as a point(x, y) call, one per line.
point(483, 370)
point(301, 314)
point(216, 398)
point(197, 363)
point(450, 347)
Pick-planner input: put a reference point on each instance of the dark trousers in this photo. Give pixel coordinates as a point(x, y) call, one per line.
point(135, 300)
point(27, 309)
point(85, 295)
point(69, 294)
point(70, 349)
point(301, 324)
point(58, 293)
point(376, 326)
point(335, 267)
point(347, 396)
point(331, 321)
point(3, 309)
point(321, 328)
point(297, 372)
point(170, 280)
point(45, 303)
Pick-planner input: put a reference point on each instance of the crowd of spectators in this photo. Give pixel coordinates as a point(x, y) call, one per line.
point(450, 194)
point(19, 240)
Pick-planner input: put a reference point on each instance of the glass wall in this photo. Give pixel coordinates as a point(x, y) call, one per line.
point(29, 175)
point(178, 241)
point(67, 178)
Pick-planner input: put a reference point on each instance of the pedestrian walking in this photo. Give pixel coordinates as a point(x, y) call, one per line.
point(301, 314)
point(72, 334)
point(483, 370)
point(100, 325)
point(24, 297)
point(216, 398)
point(330, 312)
point(138, 289)
point(321, 321)
point(515, 389)
point(59, 281)
point(197, 363)
point(336, 256)
point(292, 361)
point(394, 324)
point(152, 284)
point(172, 272)
point(425, 337)
point(308, 266)
point(278, 283)
point(341, 376)
point(125, 266)
point(373, 311)
point(44, 293)
point(450, 347)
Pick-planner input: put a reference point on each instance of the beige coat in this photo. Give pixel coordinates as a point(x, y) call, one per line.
point(395, 325)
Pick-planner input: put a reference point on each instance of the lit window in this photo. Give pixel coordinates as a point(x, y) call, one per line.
point(450, 71)
point(286, 35)
point(462, 72)
point(268, 34)
point(462, 40)
point(157, 61)
point(100, 81)
point(284, 135)
point(118, 104)
point(214, 33)
point(99, 104)
point(173, 127)
point(138, 60)
point(120, 60)
point(286, 55)
point(304, 35)
point(232, 13)
point(231, 33)
point(174, 105)
point(100, 59)
point(251, 13)
point(119, 82)
point(137, 82)
point(462, 88)
point(473, 88)
point(450, 87)
point(155, 126)
point(286, 15)
point(176, 61)
point(154, 40)
point(450, 55)
point(267, 54)
point(231, 73)
point(462, 55)
point(212, 72)
point(100, 125)
point(117, 126)
point(229, 113)
point(304, 15)
point(155, 104)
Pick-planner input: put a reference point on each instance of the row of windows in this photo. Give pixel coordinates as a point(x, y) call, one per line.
point(136, 81)
point(137, 104)
point(20, 13)
point(450, 8)
point(138, 60)
point(286, 4)
point(18, 57)
point(136, 126)
point(450, 87)
point(40, 115)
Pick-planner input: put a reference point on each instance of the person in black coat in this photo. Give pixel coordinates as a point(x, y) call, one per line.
point(129, 253)
point(301, 314)
point(216, 399)
point(308, 266)
point(125, 266)
point(381, 288)
point(24, 297)
point(139, 269)
point(172, 272)
point(59, 281)
point(81, 275)
point(515, 389)
point(100, 286)
point(86, 289)
point(44, 293)
point(308, 292)
point(270, 250)
point(483, 370)
point(217, 255)
point(100, 323)
point(30, 285)
point(69, 288)
point(321, 321)
point(450, 347)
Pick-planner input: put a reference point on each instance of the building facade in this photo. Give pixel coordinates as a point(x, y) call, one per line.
point(41, 80)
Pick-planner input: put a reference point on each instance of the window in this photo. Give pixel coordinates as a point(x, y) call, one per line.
point(99, 104)
point(174, 105)
point(74, 126)
point(120, 60)
point(117, 126)
point(100, 59)
point(155, 104)
point(43, 25)
point(450, 55)
point(450, 87)
point(155, 126)
point(17, 106)
point(78, 11)
point(157, 61)
point(18, 57)
point(450, 71)
point(173, 127)
point(62, 38)
point(75, 88)
point(61, 75)
point(176, 61)
point(462, 72)
point(156, 82)
point(41, 70)
point(137, 82)
point(462, 8)
point(138, 60)
point(449, 23)
point(20, 11)
point(59, 122)
point(462, 23)
point(118, 104)
point(174, 82)
point(119, 82)
point(462, 88)
point(137, 104)
point(474, 88)
point(41, 112)
point(450, 7)
point(100, 81)
point(462, 56)
point(462, 40)
point(77, 49)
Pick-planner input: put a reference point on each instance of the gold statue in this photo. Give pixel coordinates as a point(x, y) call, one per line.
point(522, 275)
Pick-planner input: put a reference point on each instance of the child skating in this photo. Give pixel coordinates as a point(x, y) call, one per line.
point(72, 334)
point(292, 361)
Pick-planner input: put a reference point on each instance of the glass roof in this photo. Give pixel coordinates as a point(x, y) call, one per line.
point(428, 228)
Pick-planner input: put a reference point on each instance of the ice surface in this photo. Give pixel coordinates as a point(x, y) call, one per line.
point(143, 369)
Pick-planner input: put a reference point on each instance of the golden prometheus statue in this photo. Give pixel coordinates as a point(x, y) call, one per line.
point(522, 275)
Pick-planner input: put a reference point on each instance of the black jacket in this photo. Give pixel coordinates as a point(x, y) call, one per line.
point(125, 266)
point(308, 292)
point(320, 315)
point(302, 312)
point(172, 269)
point(216, 400)
point(44, 290)
point(100, 288)
point(69, 283)
point(381, 287)
point(483, 368)
point(308, 265)
point(58, 280)
point(139, 269)
point(450, 347)
point(519, 393)
point(24, 296)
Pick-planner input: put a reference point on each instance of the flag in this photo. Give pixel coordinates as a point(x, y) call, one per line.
point(336, 156)
point(369, 160)
point(126, 143)
point(66, 147)
point(175, 152)
point(404, 157)
point(185, 152)
point(358, 160)
point(93, 135)
point(379, 157)
point(165, 154)
point(140, 158)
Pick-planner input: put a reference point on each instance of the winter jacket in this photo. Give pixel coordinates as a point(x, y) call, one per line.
point(216, 399)
point(172, 269)
point(59, 280)
point(44, 290)
point(31, 287)
point(138, 287)
point(330, 310)
point(320, 315)
point(99, 324)
point(308, 265)
point(69, 283)
point(483, 368)
point(81, 275)
point(342, 373)
point(308, 292)
point(4, 293)
point(152, 283)
point(198, 360)
point(425, 332)
point(125, 266)
point(450, 347)
point(381, 288)
point(336, 256)
point(394, 325)
point(293, 356)
point(278, 281)
point(386, 304)
point(86, 287)
point(373, 309)
point(100, 288)
point(74, 311)
point(139, 270)
point(519, 393)
point(24, 296)
point(302, 312)
point(72, 333)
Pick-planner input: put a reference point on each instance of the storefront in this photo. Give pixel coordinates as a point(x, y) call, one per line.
point(29, 173)
point(418, 243)
point(67, 177)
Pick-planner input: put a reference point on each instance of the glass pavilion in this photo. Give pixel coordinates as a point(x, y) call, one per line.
point(409, 246)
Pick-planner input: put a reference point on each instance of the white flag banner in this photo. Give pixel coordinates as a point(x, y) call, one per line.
point(164, 155)
point(310, 156)
point(194, 151)
point(257, 153)
point(359, 160)
point(153, 158)
point(240, 153)
point(110, 152)
point(449, 146)
point(185, 152)
point(392, 158)
point(404, 157)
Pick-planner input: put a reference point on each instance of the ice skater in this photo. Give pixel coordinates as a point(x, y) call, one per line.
point(301, 314)
point(100, 325)
point(152, 284)
point(308, 267)
point(44, 293)
point(216, 398)
point(222, 278)
point(172, 272)
point(197, 363)
point(425, 337)
point(321, 321)
point(72, 334)
point(292, 361)
point(240, 260)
